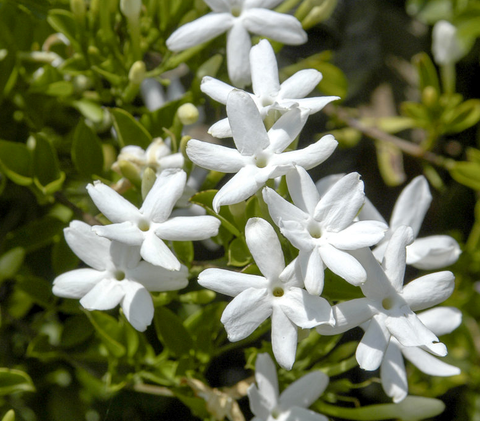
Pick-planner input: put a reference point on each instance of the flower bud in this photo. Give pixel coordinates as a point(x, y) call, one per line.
point(429, 96)
point(137, 72)
point(187, 114)
point(148, 180)
point(131, 8)
point(446, 46)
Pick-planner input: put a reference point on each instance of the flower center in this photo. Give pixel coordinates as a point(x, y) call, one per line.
point(277, 292)
point(266, 100)
point(236, 10)
point(261, 160)
point(119, 275)
point(314, 229)
point(144, 225)
point(388, 303)
point(275, 413)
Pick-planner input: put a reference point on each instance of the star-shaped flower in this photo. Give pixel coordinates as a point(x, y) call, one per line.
point(323, 229)
point(117, 276)
point(268, 93)
point(238, 18)
point(148, 226)
point(259, 155)
point(389, 306)
point(268, 405)
point(440, 321)
point(278, 294)
point(433, 252)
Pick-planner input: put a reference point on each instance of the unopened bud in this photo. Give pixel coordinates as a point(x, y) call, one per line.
point(131, 172)
point(131, 8)
point(187, 114)
point(446, 46)
point(429, 96)
point(148, 180)
point(137, 72)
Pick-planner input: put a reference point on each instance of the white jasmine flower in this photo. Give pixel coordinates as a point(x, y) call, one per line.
point(268, 405)
point(277, 294)
point(238, 18)
point(117, 276)
point(389, 305)
point(446, 46)
point(433, 252)
point(259, 155)
point(148, 226)
point(323, 229)
point(268, 93)
point(440, 321)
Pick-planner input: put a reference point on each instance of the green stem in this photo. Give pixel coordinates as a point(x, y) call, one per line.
point(448, 75)
point(264, 328)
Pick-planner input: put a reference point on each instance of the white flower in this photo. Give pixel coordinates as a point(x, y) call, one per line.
point(118, 276)
point(148, 226)
point(268, 93)
point(238, 18)
point(260, 154)
point(267, 405)
point(433, 252)
point(389, 305)
point(446, 46)
point(440, 321)
point(323, 228)
point(278, 294)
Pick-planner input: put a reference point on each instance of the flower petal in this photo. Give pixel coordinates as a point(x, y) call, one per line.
point(245, 313)
point(188, 228)
point(339, 206)
point(221, 129)
point(229, 282)
point(278, 26)
point(441, 320)
point(372, 347)
point(281, 209)
point(199, 31)
point(111, 204)
point(304, 391)
point(238, 51)
point(266, 378)
point(216, 89)
point(429, 290)
point(302, 189)
point(348, 315)
point(157, 278)
point(156, 252)
point(429, 364)
point(214, 157)
point(76, 283)
point(358, 235)
point(311, 105)
point(259, 403)
point(105, 295)
point(297, 413)
point(395, 255)
point(137, 305)
point(393, 374)
point(343, 264)
point(125, 232)
point(124, 256)
point(313, 270)
point(300, 84)
point(434, 252)
point(284, 338)
point(264, 69)
point(286, 129)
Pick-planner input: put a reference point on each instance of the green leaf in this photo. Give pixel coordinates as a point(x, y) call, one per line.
point(87, 151)
point(466, 115)
point(7, 66)
point(90, 110)
point(12, 381)
point(203, 296)
point(76, 330)
point(473, 155)
point(48, 176)
point(63, 258)
point(10, 263)
point(129, 130)
point(9, 416)
point(16, 162)
point(184, 251)
point(60, 88)
point(238, 253)
point(64, 21)
point(172, 333)
point(417, 112)
point(427, 72)
point(38, 289)
point(390, 163)
point(109, 331)
point(467, 173)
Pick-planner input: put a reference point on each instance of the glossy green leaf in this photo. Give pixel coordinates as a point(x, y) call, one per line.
point(87, 151)
point(7, 66)
point(184, 251)
point(38, 289)
point(466, 115)
point(10, 263)
point(60, 88)
point(427, 73)
point(238, 253)
point(202, 297)
point(467, 173)
point(48, 176)
point(9, 416)
point(76, 330)
point(417, 112)
point(172, 333)
point(12, 381)
point(473, 155)
point(63, 258)
point(16, 162)
point(129, 130)
point(90, 110)
point(109, 331)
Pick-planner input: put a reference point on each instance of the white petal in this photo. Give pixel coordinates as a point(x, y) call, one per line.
point(238, 51)
point(161, 198)
point(111, 204)
point(264, 4)
point(298, 235)
point(221, 129)
point(393, 374)
point(304, 391)
point(372, 347)
point(156, 252)
point(300, 84)
point(326, 183)
point(429, 290)
point(157, 278)
point(348, 315)
point(199, 31)
point(88, 246)
point(441, 320)
point(219, 5)
point(76, 283)
point(312, 105)
point(369, 212)
point(105, 295)
point(395, 255)
point(125, 232)
point(216, 89)
point(434, 252)
point(310, 156)
point(286, 129)
point(358, 235)
point(281, 209)
point(125, 256)
point(245, 313)
point(264, 69)
point(302, 189)
point(248, 130)
point(305, 310)
point(265, 247)
point(266, 378)
point(278, 26)
point(428, 363)
point(312, 268)
point(137, 305)
point(259, 403)
point(188, 228)
point(343, 264)
point(297, 413)
point(284, 339)
point(229, 282)
point(412, 205)
point(214, 157)
point(337, 209)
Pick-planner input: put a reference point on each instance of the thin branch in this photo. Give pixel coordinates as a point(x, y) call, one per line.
point(153, 390)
